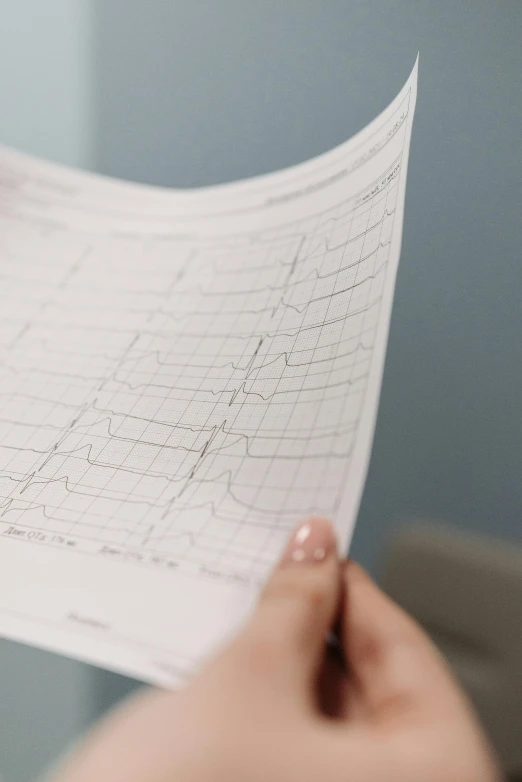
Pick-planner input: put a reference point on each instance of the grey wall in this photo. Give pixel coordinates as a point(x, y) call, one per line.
point(46, 701)
point(45, 69)
point(45, 55)
point(193, 93)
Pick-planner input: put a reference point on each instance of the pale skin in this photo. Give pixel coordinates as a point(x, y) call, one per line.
point(275, 706)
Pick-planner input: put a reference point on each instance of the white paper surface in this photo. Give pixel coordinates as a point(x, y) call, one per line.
point(184, 376)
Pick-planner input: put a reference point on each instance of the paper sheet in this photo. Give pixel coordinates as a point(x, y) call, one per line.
point(184, 376)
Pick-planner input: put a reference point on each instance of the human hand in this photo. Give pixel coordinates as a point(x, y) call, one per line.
point(275, 706)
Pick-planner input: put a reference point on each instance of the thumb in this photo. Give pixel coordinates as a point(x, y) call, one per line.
point(284, 641)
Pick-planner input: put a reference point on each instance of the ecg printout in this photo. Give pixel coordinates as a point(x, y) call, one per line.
point(184, 375)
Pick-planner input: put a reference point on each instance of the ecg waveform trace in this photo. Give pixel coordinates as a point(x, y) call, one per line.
point(226, 408)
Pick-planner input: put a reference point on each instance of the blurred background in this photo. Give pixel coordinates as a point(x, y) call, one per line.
point(174, 92)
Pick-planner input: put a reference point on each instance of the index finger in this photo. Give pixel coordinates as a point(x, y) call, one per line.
point(398, 672)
